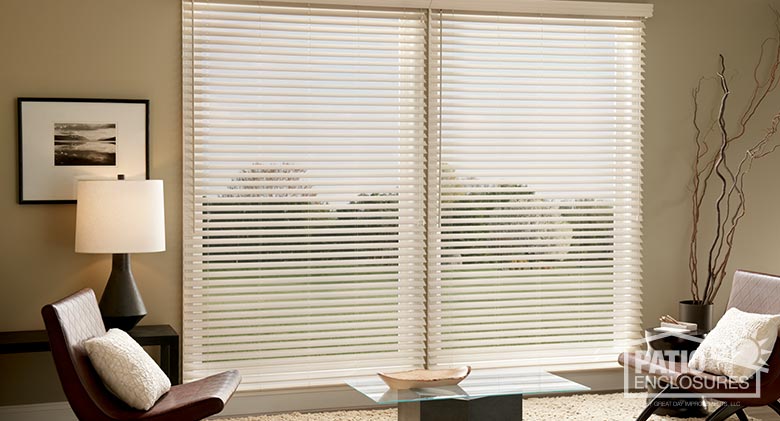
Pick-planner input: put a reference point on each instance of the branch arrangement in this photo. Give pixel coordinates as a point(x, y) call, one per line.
point(712, 169)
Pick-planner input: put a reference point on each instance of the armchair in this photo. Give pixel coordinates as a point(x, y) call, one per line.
point(750, 292)
point(76, 318)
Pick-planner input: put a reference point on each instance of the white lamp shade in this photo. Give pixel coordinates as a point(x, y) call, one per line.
point(120, 216)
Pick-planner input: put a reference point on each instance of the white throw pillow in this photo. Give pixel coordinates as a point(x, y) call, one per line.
point(126, 369)
point(738, 346)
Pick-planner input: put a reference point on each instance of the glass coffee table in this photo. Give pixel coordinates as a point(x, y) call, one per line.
point(495, 395)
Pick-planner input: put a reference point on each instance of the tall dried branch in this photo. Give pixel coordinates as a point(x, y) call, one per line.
point(721, 166)
point(711, 164)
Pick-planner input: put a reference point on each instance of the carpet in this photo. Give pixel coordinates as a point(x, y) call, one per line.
point(586, 407)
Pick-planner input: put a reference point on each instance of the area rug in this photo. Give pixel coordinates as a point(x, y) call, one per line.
point(587, 407)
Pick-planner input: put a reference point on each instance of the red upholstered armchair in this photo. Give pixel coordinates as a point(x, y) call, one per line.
point(76, 318)
point(750, 292)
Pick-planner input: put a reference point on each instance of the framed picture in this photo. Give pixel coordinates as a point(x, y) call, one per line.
point(63, 140)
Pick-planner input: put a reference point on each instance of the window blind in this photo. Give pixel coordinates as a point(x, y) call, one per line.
point(373, 189)
point(304, 194)
point(535, 226)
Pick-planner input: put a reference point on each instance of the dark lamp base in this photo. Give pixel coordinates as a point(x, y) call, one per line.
point(121, 305)
point(124, 323)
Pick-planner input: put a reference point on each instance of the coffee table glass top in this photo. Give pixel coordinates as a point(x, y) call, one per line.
point(480, 383)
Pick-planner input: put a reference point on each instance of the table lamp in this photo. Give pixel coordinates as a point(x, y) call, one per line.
point(120, 217)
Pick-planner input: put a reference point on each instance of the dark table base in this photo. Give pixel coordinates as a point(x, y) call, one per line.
point(492, 408)
point(682, 407)
point(693, 407)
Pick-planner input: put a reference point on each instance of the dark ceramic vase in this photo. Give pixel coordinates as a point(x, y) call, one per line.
point(695, 312)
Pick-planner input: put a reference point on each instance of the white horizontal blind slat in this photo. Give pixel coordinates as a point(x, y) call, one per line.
point(307, 149)
point(534, 247)
point(303, 191)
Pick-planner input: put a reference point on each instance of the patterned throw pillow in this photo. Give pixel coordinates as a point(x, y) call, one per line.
point(738, 346)
point(126, 369)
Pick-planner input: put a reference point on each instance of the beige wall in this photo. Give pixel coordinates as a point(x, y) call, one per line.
point(131, 49)
point(683, 41)
point(83, 49)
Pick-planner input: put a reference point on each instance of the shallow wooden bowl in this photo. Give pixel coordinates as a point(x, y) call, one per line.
point(415, 379)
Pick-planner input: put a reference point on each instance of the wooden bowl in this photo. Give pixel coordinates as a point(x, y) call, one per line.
point(415, 379)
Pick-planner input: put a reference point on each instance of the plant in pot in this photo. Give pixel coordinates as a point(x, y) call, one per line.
point(718, 185)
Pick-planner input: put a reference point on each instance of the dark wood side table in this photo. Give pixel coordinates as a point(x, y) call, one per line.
point(163, 336)
point(693, 407)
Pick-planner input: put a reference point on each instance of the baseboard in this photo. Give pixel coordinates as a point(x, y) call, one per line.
point(242, 403)
point(344, 397)
point(288, 400)
point(50, 411)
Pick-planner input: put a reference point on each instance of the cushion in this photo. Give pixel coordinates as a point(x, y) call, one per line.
point(126, 369)
point(738, 346)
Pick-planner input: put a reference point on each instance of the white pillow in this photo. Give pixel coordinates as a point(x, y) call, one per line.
point(738, 346)
point(126, 369)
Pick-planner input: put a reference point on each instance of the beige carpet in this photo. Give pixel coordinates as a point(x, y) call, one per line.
point(595, 407)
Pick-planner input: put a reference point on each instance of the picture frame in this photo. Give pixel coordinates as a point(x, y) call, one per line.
point(63, 140)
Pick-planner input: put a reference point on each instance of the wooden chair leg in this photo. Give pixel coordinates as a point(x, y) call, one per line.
point(775, 407)
point(724, 411)
point(653, 405)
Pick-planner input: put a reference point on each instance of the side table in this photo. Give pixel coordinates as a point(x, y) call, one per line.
point(163, 336)
point(695, 406)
